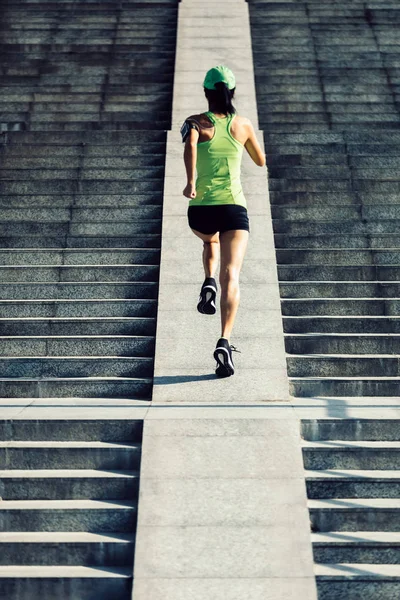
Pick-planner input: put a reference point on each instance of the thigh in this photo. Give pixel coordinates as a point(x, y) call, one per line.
point(207, 237)
point(233, 245)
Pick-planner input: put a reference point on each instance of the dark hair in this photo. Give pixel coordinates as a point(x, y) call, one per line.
point(221, 98)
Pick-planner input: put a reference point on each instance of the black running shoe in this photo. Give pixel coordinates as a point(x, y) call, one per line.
point(223, 356)
point(206, 305)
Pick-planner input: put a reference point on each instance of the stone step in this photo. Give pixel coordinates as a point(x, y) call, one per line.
point(64, 484)
point(26, 164)
point(139, 388)
point(344, 386)
point(83, 582)
point(87, 151)
point(82, 366)
point(122, 124)
point(346, 365)
point(80, 345)
point(73, 309)
point(75, 367)
point(366, 547)
point(87, 186)
point(328, 272)
point(352, 455)
point(352, 484)
point(341, 289)
point(114, 138)
point(81, 201)
point(329, 213)
point(355, 514)
point(68, 515)
point(95, 257)
point(16, 229)
point(40, 174)
point(339, 324)
point(375, 244)
point(66, 548)
point(36, 274)
point(349, 580)
point(340, 307)
point(74, 429)
point(343, 343)
point(307, 228)
point(78, 326)
point(32, 241)
point(72, 455)
point(14, 216)
point(352, 137)
point(351, 429)
point(79, 291)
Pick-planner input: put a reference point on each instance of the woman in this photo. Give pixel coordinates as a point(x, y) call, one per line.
point(217, 212)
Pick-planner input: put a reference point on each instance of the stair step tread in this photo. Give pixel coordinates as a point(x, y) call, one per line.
point(355, 503)
point(72, 379)
point(348, 475)
point(357, 571)
point(66, 474)
point(54, 358)
point(340, 317)
point(331, 378)
point(322, 355)
point(74, 319)
point(64, 537)
point(342, 335)
point(37, 572)
point(357, 537)
point(67, 444)
point(350, 445)
point(67, 505)
point(77, 337)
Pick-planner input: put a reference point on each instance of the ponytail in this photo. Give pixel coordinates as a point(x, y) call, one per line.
point(221, 98)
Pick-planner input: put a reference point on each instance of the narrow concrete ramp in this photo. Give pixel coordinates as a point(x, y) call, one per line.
point(184, 364)
point(222, 508)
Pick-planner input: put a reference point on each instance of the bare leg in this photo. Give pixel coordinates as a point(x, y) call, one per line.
point(233, 248)
point(210, 252)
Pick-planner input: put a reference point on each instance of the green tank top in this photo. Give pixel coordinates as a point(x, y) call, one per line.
point(218, 167)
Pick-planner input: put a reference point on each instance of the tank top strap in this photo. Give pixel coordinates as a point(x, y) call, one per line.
point(229, 123)
point(210, 115)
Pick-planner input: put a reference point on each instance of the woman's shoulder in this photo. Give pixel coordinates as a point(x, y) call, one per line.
point(243, 120)
point(201, 119)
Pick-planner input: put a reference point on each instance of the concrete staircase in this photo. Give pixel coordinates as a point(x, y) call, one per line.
point(353, 486)
point(85, 97)
point(328, 84)
point(69, 492)
point(85, 102)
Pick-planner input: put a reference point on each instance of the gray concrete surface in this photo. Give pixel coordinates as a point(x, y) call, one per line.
point(184, 365)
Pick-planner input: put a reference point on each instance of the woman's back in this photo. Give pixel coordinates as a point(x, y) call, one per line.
point(218, 163)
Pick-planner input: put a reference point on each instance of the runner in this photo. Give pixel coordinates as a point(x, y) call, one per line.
point(217, 212)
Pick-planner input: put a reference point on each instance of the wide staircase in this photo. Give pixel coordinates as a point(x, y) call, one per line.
point(85, 102)
point(328, 85)
point(353, 486)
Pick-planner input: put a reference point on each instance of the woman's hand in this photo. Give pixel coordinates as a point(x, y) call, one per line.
point(190, 190)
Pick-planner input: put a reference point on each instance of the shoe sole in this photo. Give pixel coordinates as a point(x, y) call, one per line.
point(223, 359)
point(206, 305)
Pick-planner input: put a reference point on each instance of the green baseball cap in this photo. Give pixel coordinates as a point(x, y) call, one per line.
point(217, 74)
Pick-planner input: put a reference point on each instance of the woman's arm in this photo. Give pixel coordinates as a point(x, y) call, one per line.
point(253, 147)
point(190, 158)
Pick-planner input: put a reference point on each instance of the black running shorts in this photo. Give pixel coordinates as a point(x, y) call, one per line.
point(219, 217)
